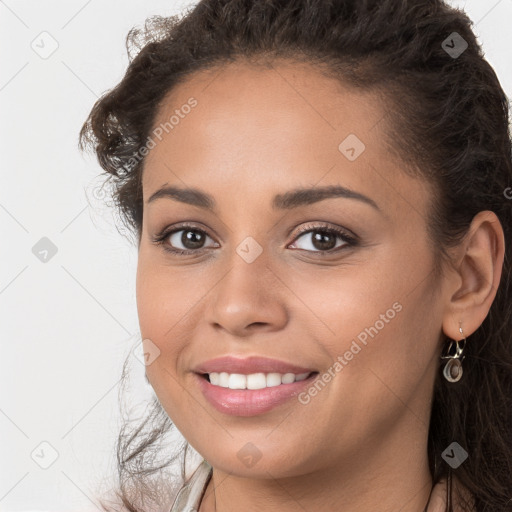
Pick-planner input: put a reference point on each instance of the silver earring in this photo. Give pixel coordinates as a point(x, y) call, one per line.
point(452, 370)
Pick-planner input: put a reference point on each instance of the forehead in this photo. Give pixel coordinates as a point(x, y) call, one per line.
point(292, 101)
point(269, 128)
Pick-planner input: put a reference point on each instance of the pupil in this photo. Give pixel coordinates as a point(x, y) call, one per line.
point(321, 241)
point(192, 237)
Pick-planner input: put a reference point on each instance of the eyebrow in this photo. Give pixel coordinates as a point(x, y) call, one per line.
point(287, 201)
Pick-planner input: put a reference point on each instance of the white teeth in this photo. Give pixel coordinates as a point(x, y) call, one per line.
point(237, 381)
point(274, 379)
point(254, 380)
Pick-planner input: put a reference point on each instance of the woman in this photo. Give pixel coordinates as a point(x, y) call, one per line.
point(319, 196)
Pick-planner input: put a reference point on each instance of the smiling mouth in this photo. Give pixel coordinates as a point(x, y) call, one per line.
point(254, 381)
point(247, 395)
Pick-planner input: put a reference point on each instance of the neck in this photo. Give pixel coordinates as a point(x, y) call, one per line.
point(387, 477)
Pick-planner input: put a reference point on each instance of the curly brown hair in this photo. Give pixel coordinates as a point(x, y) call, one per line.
point(449, 124)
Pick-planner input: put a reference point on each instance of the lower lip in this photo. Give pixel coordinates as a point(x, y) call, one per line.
point(250, 402)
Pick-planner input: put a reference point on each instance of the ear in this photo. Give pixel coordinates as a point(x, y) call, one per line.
point(476, 275)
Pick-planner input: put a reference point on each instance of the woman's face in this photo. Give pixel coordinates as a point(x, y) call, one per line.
point(365, 313)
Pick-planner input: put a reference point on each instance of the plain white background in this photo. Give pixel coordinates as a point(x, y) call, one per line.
point(69, 322)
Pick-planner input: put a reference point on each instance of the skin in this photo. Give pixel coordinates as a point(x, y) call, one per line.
point(361, 443)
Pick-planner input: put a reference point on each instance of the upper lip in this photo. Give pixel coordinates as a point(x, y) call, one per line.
point(249, 365)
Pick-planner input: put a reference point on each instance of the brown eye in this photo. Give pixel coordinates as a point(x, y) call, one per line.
point(192, 239)
point(185, 240)
point(323, 239)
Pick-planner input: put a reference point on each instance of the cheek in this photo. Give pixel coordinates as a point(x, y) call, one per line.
point(345, 302)
point(158, 310)
point(372, 312)
point(168, 308)
point(164, 297)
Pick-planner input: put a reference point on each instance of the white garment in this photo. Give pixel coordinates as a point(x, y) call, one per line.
point(190, 495)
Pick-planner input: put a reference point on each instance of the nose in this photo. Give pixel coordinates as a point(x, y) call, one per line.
point(250, 297)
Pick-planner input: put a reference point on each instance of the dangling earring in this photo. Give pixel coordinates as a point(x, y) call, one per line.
point(452, 370)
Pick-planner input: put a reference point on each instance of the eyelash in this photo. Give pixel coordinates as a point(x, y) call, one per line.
point(350, 241)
